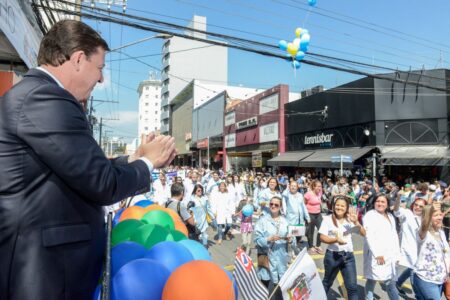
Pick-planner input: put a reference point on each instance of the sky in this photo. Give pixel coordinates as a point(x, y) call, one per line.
point(397, 34)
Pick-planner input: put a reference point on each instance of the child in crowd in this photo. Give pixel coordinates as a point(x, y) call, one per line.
point(245, 211)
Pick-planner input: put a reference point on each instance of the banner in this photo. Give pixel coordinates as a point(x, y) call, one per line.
point(302, 281)
point(22, 36)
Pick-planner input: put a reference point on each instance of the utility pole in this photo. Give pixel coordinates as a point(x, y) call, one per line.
point(100, 133)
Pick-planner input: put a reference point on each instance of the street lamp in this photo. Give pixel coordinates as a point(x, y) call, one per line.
point(158, 36)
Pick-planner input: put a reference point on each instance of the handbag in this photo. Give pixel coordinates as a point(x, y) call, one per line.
point(263, 261)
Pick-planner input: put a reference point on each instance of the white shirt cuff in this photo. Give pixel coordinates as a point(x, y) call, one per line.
point(148, 163)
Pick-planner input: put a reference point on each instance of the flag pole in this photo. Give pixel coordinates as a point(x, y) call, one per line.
point(273, 292)
point(107, 267)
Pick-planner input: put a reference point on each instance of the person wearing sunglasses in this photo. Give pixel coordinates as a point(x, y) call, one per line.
point(202, 212)
point(410, 220)
point(270, 237)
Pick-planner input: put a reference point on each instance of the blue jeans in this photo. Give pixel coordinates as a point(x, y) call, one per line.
point(222, 230)
point(407, 273)
point(426, 290)
point(390, 287)
point(204, 238)
point(341, 261)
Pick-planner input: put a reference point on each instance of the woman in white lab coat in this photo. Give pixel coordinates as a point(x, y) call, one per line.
point(410, 220)
point(222, 206)
point(381, 249)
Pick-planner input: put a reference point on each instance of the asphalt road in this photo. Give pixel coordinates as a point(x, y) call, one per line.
point(224, 256)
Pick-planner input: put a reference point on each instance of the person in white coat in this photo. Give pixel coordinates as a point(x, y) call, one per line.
point(295, 210)
point(222, 206)
point(161, 189)
point(410, 220)
point(381, 249)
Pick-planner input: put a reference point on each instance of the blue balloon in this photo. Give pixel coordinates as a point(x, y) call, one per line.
point(141, 279)
point(170, 254)
point(300, 55)
point(304, 42)
point(197, 250)
point(247, 210)
point(97, 293)
point(144, 203)
point(116, 218)
point(123, 253)
point(283, 45)
point(296, 64)
point(312, 2)
point(288, 57)
point(235, 286)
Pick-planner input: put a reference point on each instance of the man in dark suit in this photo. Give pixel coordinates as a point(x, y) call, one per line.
point(54, 177)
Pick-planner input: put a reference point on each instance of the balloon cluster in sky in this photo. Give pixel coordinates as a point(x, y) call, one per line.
point(152, 259)
point(295, 50)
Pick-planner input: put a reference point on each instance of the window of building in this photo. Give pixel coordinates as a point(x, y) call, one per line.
point(145, 128)
point(146, 88)
point(146, 103)
point(156, 96)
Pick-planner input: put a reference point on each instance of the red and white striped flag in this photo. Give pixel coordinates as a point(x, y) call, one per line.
point(250, 287)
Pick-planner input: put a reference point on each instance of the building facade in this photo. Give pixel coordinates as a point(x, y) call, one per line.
point(406, 126)
point(254, 129)
point(149, 105)
point(184, 60)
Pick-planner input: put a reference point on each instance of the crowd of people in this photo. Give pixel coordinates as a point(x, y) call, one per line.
point(402, 225)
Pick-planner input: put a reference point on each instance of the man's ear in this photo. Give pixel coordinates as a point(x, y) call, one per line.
point(76, 59)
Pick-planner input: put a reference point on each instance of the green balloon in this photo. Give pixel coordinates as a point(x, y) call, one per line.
point(158, 217)
point(178, 235)
point(158, 234)
point(141, 234)
point(124, 230)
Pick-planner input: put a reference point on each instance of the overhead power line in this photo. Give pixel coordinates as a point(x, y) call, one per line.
point(232, 39)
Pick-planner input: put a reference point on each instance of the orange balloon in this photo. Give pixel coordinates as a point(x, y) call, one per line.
point(173, 214)
point(133, 212)
point(153, 207)
point(198, 280)
point(179, 225)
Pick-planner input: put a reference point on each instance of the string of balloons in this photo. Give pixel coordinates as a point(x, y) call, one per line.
point(297, 49)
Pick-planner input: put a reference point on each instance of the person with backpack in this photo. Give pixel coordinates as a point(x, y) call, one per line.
point(175, 204)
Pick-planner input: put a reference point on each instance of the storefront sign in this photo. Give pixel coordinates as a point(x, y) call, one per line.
point(247, 123)
point(230, 140)
point(257, 160)
point(268, 133)
point(268, 104)
point(318, 139)
point(17, 28)
point(230, 118)
point(202, 144)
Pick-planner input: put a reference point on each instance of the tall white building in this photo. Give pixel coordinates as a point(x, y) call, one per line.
point(184, 60)
point(149, 105)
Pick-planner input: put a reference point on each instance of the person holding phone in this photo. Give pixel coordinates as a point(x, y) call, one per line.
point(270, 237)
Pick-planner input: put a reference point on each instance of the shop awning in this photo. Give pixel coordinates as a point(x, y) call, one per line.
point(415, 155)
point(323, 158)
point(289, 159)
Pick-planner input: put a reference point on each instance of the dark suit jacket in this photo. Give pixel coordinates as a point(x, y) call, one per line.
point(54, 179)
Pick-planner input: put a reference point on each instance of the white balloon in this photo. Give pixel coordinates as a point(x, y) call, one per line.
point(296, 42)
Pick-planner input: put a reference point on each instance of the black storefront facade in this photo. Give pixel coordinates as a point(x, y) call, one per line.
point(405, 126)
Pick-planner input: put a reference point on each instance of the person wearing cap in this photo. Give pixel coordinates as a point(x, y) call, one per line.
point(406, 196)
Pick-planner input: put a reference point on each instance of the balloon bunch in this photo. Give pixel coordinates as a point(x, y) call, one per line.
point(152, 258)
point(297, 48)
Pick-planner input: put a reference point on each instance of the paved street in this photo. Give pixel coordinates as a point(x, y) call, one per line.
point(224, 255)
